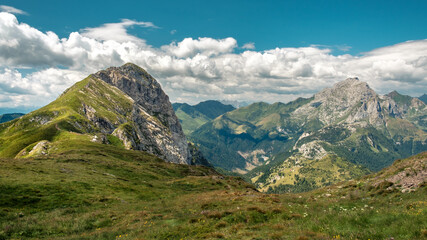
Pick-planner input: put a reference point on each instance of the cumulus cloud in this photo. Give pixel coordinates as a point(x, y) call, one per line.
point(198, 69)
point(116, 31)
point(206, 46)
point(249, 45)
point(22, 45)
point(36, 89)
point(9, 9)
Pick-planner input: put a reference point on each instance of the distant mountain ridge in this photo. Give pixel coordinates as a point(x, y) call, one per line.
point(192, 117)
point(235, 103)
point(423, 98)
point(10, 116)
point(122, 106)
point(340, 133)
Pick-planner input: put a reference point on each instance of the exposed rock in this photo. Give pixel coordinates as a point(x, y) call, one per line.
point(312, 150)
point(348, 101)
point(406, 175)
point(42, 120)
point(153, 127)
point(40, 148)
point(197, 157)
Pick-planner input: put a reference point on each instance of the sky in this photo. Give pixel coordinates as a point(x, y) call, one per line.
point(198, 50)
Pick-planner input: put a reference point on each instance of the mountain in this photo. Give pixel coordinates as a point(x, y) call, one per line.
point(121, 106)
point(74, 170)
point(423, 98)
point(10, 116)
point(234, 103)
point(101, 191)
point(340, 133)
point(17, 110)
point(192, 117)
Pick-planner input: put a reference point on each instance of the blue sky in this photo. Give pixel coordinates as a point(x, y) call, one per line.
point(198, 50)
point(361, 25)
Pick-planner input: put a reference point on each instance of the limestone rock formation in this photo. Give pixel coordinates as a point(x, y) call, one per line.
point(154, 126)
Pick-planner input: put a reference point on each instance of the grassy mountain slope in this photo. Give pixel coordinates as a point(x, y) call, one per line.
point(192, 117)
point(212, 108)
point(91, 190)
point(64, 115)
point(9, 116)
point(423, 98)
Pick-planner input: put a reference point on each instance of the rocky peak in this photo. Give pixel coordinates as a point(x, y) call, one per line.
point(154, 126)
point(393, 94)
point(143, 89)
point(347, 92)
point(423, 98)
point(347, 101)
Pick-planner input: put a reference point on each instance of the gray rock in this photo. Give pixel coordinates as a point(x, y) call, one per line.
point(154, 126)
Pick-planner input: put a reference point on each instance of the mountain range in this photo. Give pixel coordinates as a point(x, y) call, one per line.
point(9, 116)
point(193, 117)
point(108, 159)
point(340, 133)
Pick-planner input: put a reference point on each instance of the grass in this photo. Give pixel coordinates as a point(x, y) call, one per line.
point(65, 114)
point(89, 190)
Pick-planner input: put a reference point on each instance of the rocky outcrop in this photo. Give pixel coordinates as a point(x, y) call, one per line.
point(197, 157)
point(153, 125)
point(405, 175)
point(349, 101)
point(353, 102)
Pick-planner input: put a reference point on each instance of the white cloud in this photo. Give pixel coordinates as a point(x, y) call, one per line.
point(116, 31)
point(35, 89)
point(9, 9)
point(196, 69)
point(22, 45)
point(249, 45)
point(173, 32)
point(206, 46)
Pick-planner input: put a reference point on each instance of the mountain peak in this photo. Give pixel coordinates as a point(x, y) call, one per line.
point(120, 105)
point(347, 101)
point(393, 93)
point(351, 90)
point(149, 99)
point(353, 82)
point(123, 76)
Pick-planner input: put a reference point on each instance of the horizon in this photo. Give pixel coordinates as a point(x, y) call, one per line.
point(295, 50)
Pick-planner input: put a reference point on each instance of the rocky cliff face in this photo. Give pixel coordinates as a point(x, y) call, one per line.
point(349, 101)
point(154, 126)
point(353, 101)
